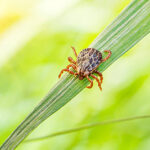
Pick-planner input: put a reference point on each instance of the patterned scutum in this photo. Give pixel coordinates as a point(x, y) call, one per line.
point(88, 60)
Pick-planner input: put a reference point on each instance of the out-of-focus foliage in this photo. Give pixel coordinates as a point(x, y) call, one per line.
point(35, 40)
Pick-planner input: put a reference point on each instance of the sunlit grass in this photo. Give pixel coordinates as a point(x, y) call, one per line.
point(29, 75)
point(120, 36)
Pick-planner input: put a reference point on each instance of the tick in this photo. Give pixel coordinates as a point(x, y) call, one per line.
point(87, 62)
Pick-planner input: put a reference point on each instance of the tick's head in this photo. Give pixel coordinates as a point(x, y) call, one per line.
point(81, 77)
point(82, 73)
point(79, 71)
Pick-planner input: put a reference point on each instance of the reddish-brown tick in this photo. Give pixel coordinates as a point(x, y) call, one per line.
point(87, 62)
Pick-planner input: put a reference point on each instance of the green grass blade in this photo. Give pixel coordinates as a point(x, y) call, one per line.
point(122, 34)
point(84, 127)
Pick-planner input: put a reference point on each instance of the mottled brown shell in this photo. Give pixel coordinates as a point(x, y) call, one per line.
point(88, 60)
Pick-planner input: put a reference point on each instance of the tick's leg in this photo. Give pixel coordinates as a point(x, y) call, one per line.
point(67, 70)
point(100, 75)
point(99, 84)
point(91, 85)
point(74, 51)
point(109, 54)
point(71, 65)
point(74, 67)
point(70, 59)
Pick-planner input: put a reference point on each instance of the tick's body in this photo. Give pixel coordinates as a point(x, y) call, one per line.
point(87, 62)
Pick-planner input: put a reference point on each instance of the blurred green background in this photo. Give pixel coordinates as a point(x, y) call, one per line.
point(35, 40)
